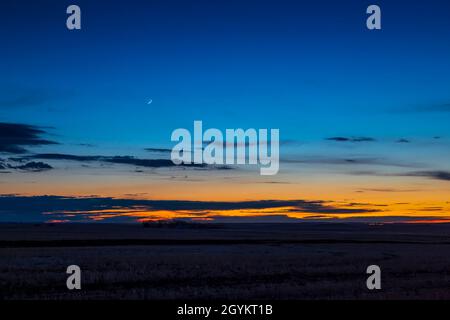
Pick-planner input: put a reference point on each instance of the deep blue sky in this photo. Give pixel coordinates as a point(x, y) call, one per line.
point(311, 68)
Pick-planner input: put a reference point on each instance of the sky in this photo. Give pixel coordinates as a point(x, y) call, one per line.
point(86, 116)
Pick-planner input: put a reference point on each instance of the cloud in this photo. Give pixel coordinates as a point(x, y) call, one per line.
point(20, 164)
point(319, 208)
point(59, 156)
point(126, 160)
point(15, 137)
point(89, 145)
point(432, 174)
point(33, 167)
point(429, 209)
point(386, 190)
point(351, 161)
point(148, 163)
point(437, 175)
point(351, 139)
point(276, 182)
point(16, 208)
point(279, 218)
point(159, 150)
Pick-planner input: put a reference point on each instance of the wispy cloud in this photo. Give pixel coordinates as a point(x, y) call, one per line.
point(15, 137)
point(351, 161)
point(351, 139)
point(158, 150)
point(20, 164)
point(32, 167)
point(436, 174)
point(125, 160)
point(431, 174)
point(386, 190)
point(128, 160)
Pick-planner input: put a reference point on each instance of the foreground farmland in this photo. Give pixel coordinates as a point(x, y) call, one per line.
point(225, 262)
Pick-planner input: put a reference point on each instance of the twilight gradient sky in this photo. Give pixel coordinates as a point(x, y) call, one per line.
point(363, 115)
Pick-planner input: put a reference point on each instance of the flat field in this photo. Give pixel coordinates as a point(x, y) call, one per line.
point(228, 261)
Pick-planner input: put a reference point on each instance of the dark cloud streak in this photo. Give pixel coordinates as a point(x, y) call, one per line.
point(351, 139)
point(159, 150)
point(33, 167)
point(14, 137)
point(126, 160)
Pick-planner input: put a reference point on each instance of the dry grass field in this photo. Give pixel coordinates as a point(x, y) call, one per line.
point(276, 261)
